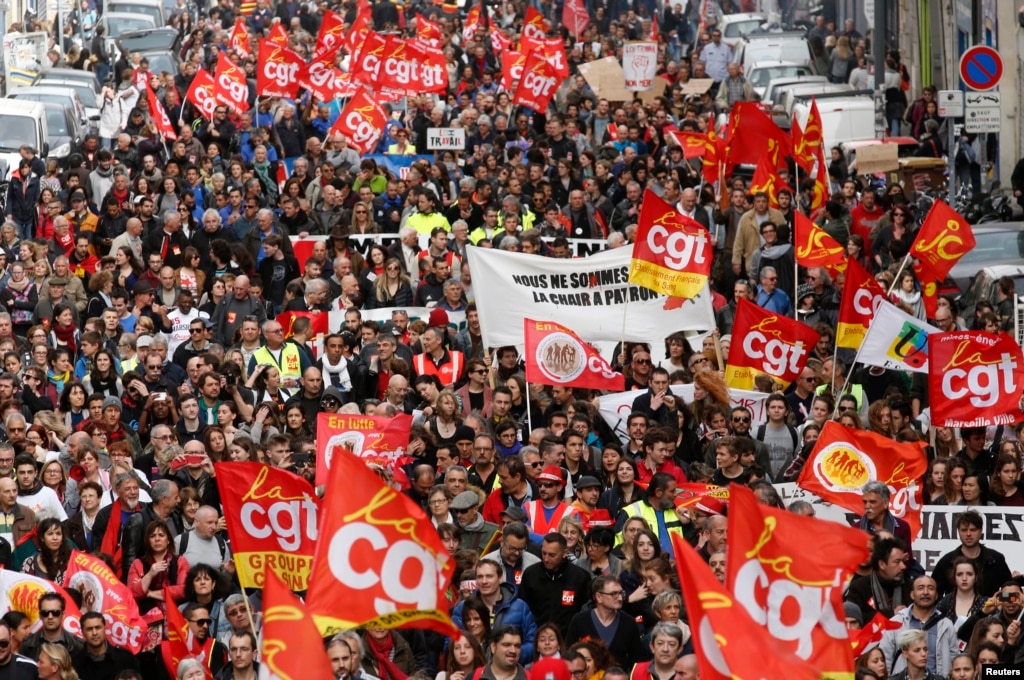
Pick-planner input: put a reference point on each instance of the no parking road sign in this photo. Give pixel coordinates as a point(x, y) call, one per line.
point(981, 67)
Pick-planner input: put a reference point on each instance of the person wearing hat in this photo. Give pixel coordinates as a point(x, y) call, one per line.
point(476, 531)
point(147, 305)
point(588, 492)
point(447, 365)
point(545, 513)
point(853, 615)
point(658, 509)
point(513, 552)
point(51, 298)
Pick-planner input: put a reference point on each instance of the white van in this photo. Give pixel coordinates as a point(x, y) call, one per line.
point(24, 122)
point(843, 119)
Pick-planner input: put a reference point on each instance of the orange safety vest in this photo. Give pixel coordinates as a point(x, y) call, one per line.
point(447, 372)
point(540, 525)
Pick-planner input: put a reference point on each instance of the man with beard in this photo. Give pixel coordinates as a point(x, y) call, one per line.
point(100, 659)
point(922, 614)
point(215, 655)
point(885, 588)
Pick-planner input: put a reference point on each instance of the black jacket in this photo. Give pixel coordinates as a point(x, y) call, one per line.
point(555, 597)
point(175, 247)
point(22, 199)
point(113, 661)
point(993, 571)
point(626, 646)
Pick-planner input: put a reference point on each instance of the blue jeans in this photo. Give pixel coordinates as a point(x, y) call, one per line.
point(25, 229)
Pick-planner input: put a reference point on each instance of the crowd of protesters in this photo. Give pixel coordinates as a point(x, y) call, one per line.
point(142, 287)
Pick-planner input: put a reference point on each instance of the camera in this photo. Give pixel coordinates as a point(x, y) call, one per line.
point(230, 379)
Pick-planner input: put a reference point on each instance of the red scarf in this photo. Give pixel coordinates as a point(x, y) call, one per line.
point(382, 650)
point(66, 336)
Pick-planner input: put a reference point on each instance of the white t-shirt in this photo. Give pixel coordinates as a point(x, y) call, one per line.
point(45, 500)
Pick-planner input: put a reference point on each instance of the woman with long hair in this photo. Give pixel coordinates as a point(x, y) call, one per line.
point(623, 491)
point(103, 378)
point(127, 268)
point(393, 289)
point(465, 655)
point(295, 422)
point(709, 390)
point(190, 274)
point(265, 382)
point(206, 585)
point(572, 529)
point(53, 477)
point(63, 329)
point(645, 548)
point(168, 196)
point(216, 443)
point(54, 553)
point(158, 566)
point(965, 599)
point(988, 630)
point(523, 400)
point(658, 576)
point(611, 456)
point(880, 418)
point(54, 663)
point(362, 219)
point(243, 449)
point(374, 267)
point(476, 619)
point(975, 490)
point(1005, 484)
point(20, 626)
point(446, 419)
point(549, 642)
point(934, 480)
point(20, 297)
point(873, 660)
point(946, 442)
point(101, 286)
point(952, 489)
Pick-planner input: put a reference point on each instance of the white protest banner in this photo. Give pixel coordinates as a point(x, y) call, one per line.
point(1002, 530)
point(591, 295)
point(639, 64)
point(615, 408)
point(897, 341)
point(456, 320)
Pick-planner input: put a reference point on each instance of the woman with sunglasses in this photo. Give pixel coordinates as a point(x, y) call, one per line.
point(900, 227)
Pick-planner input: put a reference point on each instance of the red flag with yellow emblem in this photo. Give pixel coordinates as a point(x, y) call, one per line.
point(766, 343)
point(239, 40)
point(693, 144)
point(975, 379)
point(729, 644)
point(945, 236)
point(332, 33)
point(379, 563)
point(764, 563)
point(807, 140)
point(292, 647)
point(753, 135)
point(766, 178)
point(844, 460)
point(814, 247)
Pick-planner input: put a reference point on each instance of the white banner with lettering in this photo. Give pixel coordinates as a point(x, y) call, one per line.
point(639, 65)
point(1002, 530)
point(590, 295)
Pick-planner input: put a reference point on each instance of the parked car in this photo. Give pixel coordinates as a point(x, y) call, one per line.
point(70, 74)
point(983, 287)
point(760, 73)
point(59, 95)
point(735, 27)
point(158, 45)
point(90, 100)
point(64, 132)
point(24, 122)
point(996, 245)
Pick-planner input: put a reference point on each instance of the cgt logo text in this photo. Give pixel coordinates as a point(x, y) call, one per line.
point(679, 248)
point(984, 383)
point(778, 357)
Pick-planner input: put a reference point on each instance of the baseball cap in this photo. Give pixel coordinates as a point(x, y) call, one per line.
point(588, 481)
point(551, 473)
point(390, 329)
point(550, 668)
point(515, 514)
point(144, 341)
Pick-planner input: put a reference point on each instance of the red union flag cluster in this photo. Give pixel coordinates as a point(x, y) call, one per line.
point(379, 562)
point(555, 355)
point(765, 343)
point(278, 71)
point(272, 520)
point(796, 597)
point(292, 647)
point(538, 84)
point(673, 254)
point(229, 85)
point(844, 460)
point(201, 93)
point(729, 643)
point(975, 379)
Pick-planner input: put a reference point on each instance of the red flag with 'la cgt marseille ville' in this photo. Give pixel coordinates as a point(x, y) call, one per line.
point(975, 379)
point(555, 355)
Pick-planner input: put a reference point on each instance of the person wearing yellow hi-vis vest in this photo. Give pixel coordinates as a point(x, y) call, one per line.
point(286, 357)
point(425, 220)
point(658, 510)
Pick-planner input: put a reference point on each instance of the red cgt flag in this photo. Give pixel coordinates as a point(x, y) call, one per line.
point(844, 460)
point(557, 356)
point(278, 71)
point(499, 41)
point(180, 643)
point(277, 35)
point(319, 75)
point(943, 239)
point(575, 17)
point(201, 93)
point(771, 345)
point(254, 496)
point(807, 140)
point(474, 22)
point(975, 379)
point(360, 28)
point(766, 178)
point(428, 30)
point(160, 118)
point(538, 84)
point(239, 40)
point(534, 30)
point(379, 562)
point(229, 85)
point(362, 122)
point(332, 34)
point(766, 568)
point(375, 440)
point(861, 297)
point(292, 647)
point(673, 253)
point(814, 247)
point(873, 632)
point(512, 64)
point(729, 644)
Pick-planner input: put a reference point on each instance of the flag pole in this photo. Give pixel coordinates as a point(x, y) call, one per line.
point(529, 411)
point(849, 375)
point(796, 286)
point(896, 279)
